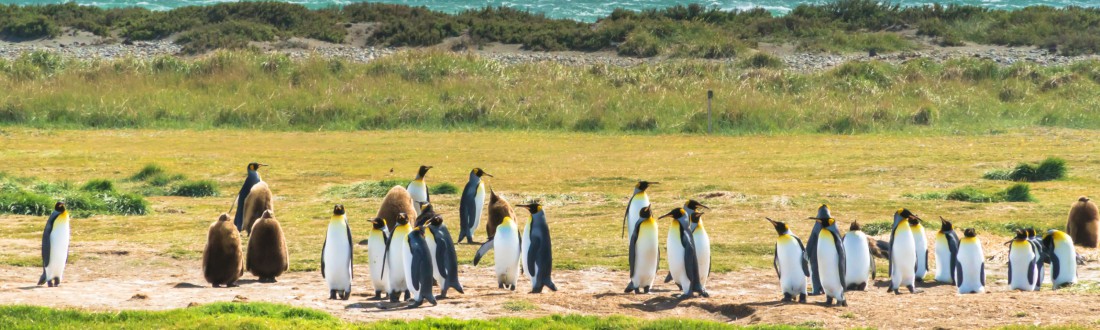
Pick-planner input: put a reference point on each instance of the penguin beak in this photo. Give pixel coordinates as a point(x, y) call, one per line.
point(666, 215)
point(703, 206)
point(261, 165)
point(770, 220)
point(487, 173)
point(654, 183)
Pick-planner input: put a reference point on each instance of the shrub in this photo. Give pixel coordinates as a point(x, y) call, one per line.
point(644, 123)
point(444, 188)
point(227, 35)
point(640, 44)
point(99, 185)
point(1019, 192)
point(201, 188)
point(1052, 168)
point(762, 60)
point(148, 171)
point(970, 194)
point(127, 204)
point(365, 189)
point(31, 27)
point(25, 203)
point(997, 175)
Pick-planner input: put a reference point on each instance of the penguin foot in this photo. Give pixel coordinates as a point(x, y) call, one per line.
point(331, 294)
point(513, 288)
point(232, 285)
point(407, 295)
point(912, 289)
point(812, 294)
point(646, 289)
point(704, 294)
point(787, 297)
point(216, 285)
point(862, 287)
point(890, 290)
point(393, 296)
point(345, 295)
point(843, 303)
point(828, 301)
point(415, 304)
point(802, 298)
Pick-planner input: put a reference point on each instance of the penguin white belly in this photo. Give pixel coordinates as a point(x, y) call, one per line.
point(702, 252)
point(419, 193)
point(637, 203)
point(792, 278)
point(857, 259)
point(506, 254)
point(410, 278)
point(399, 247)
point(524, 249)
point(970, 260)
point(337, 255)
point(1067, 269)
point(1020, 257)
point(376, 249)
point(479, 203)
point(645, 258)
point(828, 263)
point(920, 242)
point(943, 259)
point(59, 250)
point(674, 249)
point(430, 240)
point(904, 256)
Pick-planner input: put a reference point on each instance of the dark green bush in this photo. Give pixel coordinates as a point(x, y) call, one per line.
point(1019, 192)
point(970, 194)
point(31, 27)
point(640, 44)
point(444, 188)
point(762, 60)
point(99, 185)
point(147, 172)
point(25, 203)
point(228, 35)
point(202, 188)
point(1052, 168)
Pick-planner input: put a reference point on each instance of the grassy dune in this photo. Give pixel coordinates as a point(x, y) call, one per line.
point(442, 91)
point(584, 180)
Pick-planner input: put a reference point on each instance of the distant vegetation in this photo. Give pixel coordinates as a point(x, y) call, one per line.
point(1019, 192)
point(27, 196)
point(687, 31)
point(378, 189)
point(446, 91)
point(158, 182)
point(1052, 168)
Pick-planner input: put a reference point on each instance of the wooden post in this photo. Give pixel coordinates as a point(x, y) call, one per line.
point(710, 95)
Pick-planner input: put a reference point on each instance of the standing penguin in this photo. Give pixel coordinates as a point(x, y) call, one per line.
point(920, 242)
point(267, 255)
point(831, 262)
point(498, 210)
point(947, 248)
point(790, 263)
point(1063, 258)
point(396, 247)
point(507, 255)
point(860, 265)
point(638, 200)
point(1022, 271)
point(222, 259)
point(1040, 255)
point(536, 252)
point(702, 247)
point(970, 270)
point(418, 268)
point(252, 179)
point(473, 200)
point(55, 246)
point(376, 257)
point(644, 253)
point(445, 257)
point(336, 255)
point(418, 189)
point(683, 262)
point(811, 248)
point(1084, 223)
point(690, 207)
point(903, 253)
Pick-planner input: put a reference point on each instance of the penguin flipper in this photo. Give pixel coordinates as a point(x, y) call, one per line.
point(351, 252)
point(488, 245)
point(805, 257)
point(1054, 269)
point(1031, 273)
point(427, 193)
point(775, 261)
point(46, 243)
point(843, 262)
point(633, 246)
point(871, 256)
point(626, 215)
point(958, 276)
point(668, 278)
point(323, 246)
point(983, 274)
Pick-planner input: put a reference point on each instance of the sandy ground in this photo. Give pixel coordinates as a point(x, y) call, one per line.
point(117, 276)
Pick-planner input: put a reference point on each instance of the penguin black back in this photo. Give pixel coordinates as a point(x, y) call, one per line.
point(540, 251)
point(421, 268)
point(252, 179)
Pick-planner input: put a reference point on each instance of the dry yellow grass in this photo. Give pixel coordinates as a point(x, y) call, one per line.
point(584, 179)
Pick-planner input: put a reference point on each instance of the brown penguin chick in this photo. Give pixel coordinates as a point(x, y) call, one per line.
point(1083, 223)
point(397, 201)
point(267, 256)
point(498, 209)
point(222, 260)
point(258, 200)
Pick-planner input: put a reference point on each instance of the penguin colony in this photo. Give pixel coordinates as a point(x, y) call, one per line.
point(410, 249)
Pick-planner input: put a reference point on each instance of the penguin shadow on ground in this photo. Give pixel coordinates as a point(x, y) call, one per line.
point(731, 311)
point(187, 285)
point(32, 287)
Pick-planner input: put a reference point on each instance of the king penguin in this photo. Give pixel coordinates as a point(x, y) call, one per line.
point(947, 248)
point(638, 200)
point(1063, 258)
point(970, 270)
point(690, 207)
point(920, 242)
point(1022, 270)
point(418, 268)
point(683, 262)
point(336, 255)
point(445, 257)
point(811, 248)
point(473, 200)
point(418, 189)
point(267, 255)
point(903, 253)
point(644, 253)
point(702, 247)
point(506, 245)
point(536, 252)
point(251, 180)
point(396, 249)
point(55, 246)
point(831, 262)
point(860, 265)
point(1040, 255)
point(790, 263)
point(222, 259)
point(376, 255)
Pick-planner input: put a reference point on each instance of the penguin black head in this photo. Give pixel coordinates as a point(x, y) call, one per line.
point(780, 227)
point(338, 210)
point(255, 166)
point(854, 226)
point(643, 185)
point(436, 220)
point(1083, 199)
point(914, 220)
point(1021, 235)
point(59, 207)
point(694, 205)
point(1030, 233)
point(676, 213)
point(423, 171)
point(695, 217)
point(945, 225)
point(479, 172)
point(825, 222)
point(402, 219)
point(970, 232)
point(823, 213)
point(533, 206)
point(905, 213)
point(645, 213)
point(378, 223)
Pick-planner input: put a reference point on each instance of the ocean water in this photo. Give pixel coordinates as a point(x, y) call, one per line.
point(585, 10)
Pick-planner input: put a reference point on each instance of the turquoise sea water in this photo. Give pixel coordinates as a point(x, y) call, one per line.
point(585, 10)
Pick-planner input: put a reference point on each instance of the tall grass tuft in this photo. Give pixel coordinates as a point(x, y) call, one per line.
point(201, 188)
point(147, 172)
